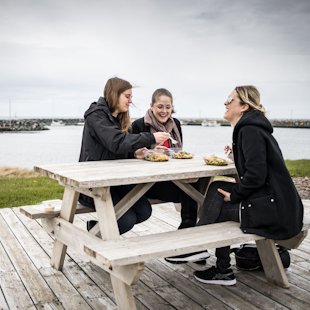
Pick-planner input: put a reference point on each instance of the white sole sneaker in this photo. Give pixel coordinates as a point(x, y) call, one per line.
point(188, 258)
point(217, 282)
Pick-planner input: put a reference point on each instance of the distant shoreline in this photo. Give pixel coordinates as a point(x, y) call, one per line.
point(38, 124)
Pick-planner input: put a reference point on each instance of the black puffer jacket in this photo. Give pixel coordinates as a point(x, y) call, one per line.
point(263, 174)
point(103, 139)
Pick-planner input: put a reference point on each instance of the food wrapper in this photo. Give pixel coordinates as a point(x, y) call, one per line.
point(216, 160)
point(155, 156)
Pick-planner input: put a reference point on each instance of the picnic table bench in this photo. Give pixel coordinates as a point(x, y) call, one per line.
point(124, 258)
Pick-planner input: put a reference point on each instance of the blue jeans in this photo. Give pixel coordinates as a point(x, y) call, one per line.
point(216, 210)
point(138, 213)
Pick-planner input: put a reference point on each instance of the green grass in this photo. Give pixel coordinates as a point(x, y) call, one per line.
point(21, 191)
point(16, 192)
point(299, 168)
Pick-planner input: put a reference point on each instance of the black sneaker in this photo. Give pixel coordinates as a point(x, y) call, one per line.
point(90, 224)
point(195, 257)
point(214, 276)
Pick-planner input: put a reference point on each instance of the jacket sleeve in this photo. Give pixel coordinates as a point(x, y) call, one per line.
point(253, 150)
point(138, 126)
point(113, 139)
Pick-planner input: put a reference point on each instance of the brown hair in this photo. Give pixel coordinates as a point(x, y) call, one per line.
point(112, 91)
point(162, 92)
point(250, 95)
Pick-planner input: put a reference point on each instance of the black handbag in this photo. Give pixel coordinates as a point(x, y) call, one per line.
point(247, 257)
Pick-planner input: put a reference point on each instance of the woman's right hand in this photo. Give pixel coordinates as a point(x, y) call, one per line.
point(229, 152)
point(227, 149)
point(161, 137)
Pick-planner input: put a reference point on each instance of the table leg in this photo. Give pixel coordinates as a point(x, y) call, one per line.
point(271, 261)
point(67, 212)
point(123, 295)
point(109, 231)
point(106, 214)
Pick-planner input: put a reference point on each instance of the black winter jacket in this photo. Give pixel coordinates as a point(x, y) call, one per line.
point(270, 204)
point(103, 139)
point(139, 126)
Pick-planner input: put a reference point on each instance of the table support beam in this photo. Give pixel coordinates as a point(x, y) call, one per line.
point(67, 212)
point(271, 262)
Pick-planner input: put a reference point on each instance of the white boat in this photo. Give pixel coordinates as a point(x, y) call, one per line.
point(57, 123)
point(209, 123)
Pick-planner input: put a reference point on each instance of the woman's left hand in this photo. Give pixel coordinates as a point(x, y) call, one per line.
point(225, 194)
point(139, 154)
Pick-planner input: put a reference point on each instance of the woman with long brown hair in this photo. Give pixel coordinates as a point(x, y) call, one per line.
point(106, 137)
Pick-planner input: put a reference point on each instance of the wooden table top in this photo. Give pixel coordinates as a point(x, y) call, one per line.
point(95, 174)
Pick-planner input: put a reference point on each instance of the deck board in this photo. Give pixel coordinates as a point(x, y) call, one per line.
point(25, 250)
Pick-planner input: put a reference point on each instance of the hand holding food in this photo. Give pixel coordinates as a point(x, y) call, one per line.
point(161, 137)
point(139, 154)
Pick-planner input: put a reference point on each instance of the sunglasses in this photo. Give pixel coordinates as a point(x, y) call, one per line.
point(229, 100)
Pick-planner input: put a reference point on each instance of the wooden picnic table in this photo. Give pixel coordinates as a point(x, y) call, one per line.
point(94, 179)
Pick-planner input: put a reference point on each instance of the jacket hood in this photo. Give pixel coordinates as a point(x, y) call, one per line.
point(254, 118)
point(95, 106)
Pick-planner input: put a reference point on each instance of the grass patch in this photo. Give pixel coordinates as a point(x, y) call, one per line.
point(15, 192)
point(21, 187)
point(298, 168)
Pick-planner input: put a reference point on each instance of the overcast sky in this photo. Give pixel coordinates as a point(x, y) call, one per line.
point(56, 55)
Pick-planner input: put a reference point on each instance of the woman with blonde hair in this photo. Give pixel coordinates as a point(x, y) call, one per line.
point(106, 136)
point(264, 200)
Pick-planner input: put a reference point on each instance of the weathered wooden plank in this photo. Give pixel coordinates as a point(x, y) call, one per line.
point(37, 211)
point(10, 283)
point(83, 283)
point(179, 284)
point(172, 243)
point(104, 173)
point(294, 297)
point(30, 276)
point(173, 276)
point(4, 305)
point(240, 296)
point(55, 279)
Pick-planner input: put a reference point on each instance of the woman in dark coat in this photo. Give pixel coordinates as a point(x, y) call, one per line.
point(159, 118)
point(265, 200)
point(106, 136)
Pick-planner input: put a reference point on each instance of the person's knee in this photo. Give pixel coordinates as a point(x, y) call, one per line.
point(126, 222)
point(144, 213)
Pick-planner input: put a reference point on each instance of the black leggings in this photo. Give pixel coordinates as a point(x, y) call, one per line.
point(169, 192)
point(216, 210)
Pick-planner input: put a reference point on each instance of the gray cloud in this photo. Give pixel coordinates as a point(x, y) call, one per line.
point(60, 53)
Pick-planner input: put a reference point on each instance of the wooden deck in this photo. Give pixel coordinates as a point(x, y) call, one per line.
point(28, 282)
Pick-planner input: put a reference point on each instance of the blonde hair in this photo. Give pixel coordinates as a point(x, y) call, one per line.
point(250, 95)
point(112, 91)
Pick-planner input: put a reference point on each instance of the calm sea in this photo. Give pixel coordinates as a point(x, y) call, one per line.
point(62, 144)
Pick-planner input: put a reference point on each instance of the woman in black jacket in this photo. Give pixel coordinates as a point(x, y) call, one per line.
point(106, 136)
point(159, 118)
point(265, 200)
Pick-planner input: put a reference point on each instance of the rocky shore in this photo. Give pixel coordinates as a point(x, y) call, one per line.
point(303, 186)
point(44, 123)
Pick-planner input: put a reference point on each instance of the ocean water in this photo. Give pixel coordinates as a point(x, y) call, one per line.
point(62, 144)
